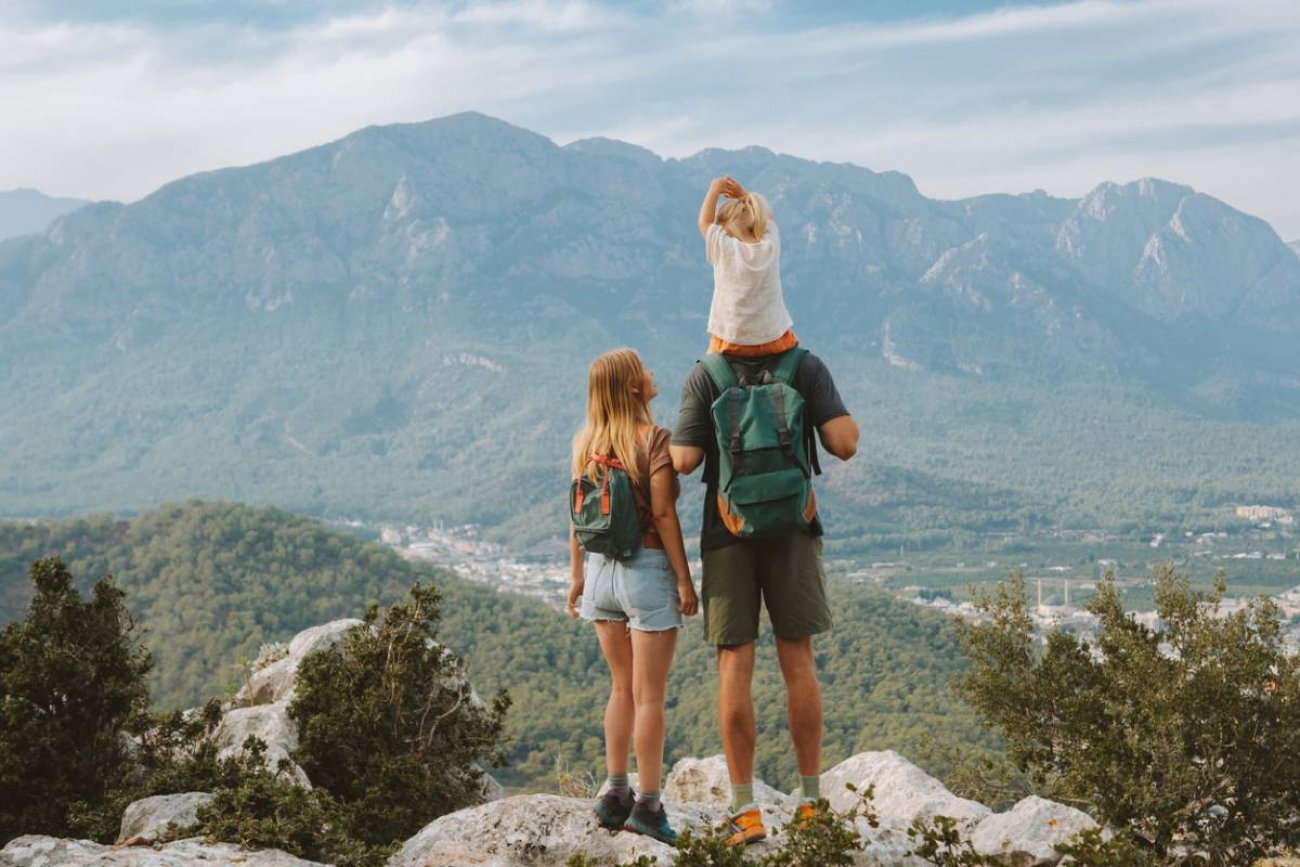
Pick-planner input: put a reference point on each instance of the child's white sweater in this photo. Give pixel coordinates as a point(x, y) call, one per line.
point(748, 306)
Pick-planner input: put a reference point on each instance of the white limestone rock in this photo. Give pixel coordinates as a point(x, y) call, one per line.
point(903, 791)
point(272, 724)
point(490, 789)
point(1027, 834)
point(706, 781)
point(275, 682)
point(886, 845)
point(38, 851)
point(532, 830)
point(151, 820)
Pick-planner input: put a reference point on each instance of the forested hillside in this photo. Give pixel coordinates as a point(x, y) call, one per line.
point(212, 581)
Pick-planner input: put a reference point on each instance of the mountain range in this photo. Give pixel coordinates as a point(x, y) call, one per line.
point(26, 212)
point(396, 324)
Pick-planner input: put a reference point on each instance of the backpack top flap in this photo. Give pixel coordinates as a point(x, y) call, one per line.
point(604, 512)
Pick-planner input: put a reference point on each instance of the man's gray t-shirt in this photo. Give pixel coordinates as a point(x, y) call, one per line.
point(695, 424)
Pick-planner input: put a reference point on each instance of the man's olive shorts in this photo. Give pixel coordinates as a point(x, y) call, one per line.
point(785, 573)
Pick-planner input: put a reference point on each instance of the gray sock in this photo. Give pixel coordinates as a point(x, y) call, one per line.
point(742, 797)
point(618, 784)
point(810, 788)
point(650, 799)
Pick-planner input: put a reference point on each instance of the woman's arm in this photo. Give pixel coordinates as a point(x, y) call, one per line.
point(576, 578)
point(663, 508)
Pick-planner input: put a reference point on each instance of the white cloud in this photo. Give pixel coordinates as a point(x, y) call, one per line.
point(1060, 96)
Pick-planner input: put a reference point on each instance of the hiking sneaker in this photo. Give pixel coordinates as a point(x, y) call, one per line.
point(805, 813)
point(612, 811)
point(651, 824)
point(746, 827)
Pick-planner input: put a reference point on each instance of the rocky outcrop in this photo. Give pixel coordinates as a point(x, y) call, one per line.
point(270, 723)
point(706, 781)
point(276, 671)
point(158, 819)
point(535, 830)
point(37, 851)
point(544, 830)
point(1028, 833)
point(903, 792)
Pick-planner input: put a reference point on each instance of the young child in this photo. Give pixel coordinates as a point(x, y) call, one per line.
point(741, 241)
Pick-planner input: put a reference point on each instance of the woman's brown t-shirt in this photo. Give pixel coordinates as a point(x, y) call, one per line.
point(652, 455)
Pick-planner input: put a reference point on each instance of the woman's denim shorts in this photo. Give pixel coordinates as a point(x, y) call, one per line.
point(641, 590)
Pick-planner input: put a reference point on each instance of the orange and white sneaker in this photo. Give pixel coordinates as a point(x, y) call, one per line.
point(746, 827)
point(806, 812)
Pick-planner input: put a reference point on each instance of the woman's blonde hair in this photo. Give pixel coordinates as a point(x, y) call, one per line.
point(613, 413)
point(745, 218)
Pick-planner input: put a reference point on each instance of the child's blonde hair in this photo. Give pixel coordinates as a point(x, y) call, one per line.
point(745, 218)
point(615, 406)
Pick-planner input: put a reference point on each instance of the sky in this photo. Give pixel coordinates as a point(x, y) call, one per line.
point(112, 98)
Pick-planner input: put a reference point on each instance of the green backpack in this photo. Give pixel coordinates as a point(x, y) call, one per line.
point(604, 514)
point(766, 457)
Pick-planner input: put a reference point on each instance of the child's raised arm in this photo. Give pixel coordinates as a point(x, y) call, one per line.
point(723, 186)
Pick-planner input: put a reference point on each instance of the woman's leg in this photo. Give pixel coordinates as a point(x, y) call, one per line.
point(616, 645)
point(652, 656)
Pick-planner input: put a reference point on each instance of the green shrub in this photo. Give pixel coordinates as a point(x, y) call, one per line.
point(72, 685)
point(1181, 737)
point(267, 809)
point(389, 724)
point(940, 842)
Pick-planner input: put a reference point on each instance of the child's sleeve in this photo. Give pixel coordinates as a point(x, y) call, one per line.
point(712, 241)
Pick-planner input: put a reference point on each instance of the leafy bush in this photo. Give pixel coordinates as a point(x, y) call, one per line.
point(72, 683)
point(267, 809)
point(940, 842)
point(389, 724)
point(1180, 736)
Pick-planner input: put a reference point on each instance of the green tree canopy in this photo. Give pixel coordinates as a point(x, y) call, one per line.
point(72, 680)
point(1182, 734)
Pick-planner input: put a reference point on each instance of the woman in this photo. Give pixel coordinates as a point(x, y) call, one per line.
point(637, 604)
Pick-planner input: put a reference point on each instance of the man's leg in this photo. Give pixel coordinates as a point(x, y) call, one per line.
point(736, 710)
point(803, 701)
point(794, 588)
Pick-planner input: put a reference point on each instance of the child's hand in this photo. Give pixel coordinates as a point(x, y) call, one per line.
point(731, 188)
point(717, 184)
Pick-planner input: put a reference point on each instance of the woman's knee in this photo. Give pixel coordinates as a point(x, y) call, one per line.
point(648, 696)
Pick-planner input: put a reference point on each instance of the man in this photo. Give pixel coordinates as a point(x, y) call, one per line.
point(784, 573)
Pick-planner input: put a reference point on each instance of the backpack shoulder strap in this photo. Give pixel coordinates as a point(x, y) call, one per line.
point(719, 370)
point(788, 365)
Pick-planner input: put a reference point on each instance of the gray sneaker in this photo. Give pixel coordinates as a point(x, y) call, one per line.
point(612, 811)
point(651, 824)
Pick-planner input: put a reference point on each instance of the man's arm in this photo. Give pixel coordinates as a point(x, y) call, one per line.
point(686, 458)
point(839, 436)
point(694, 425)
